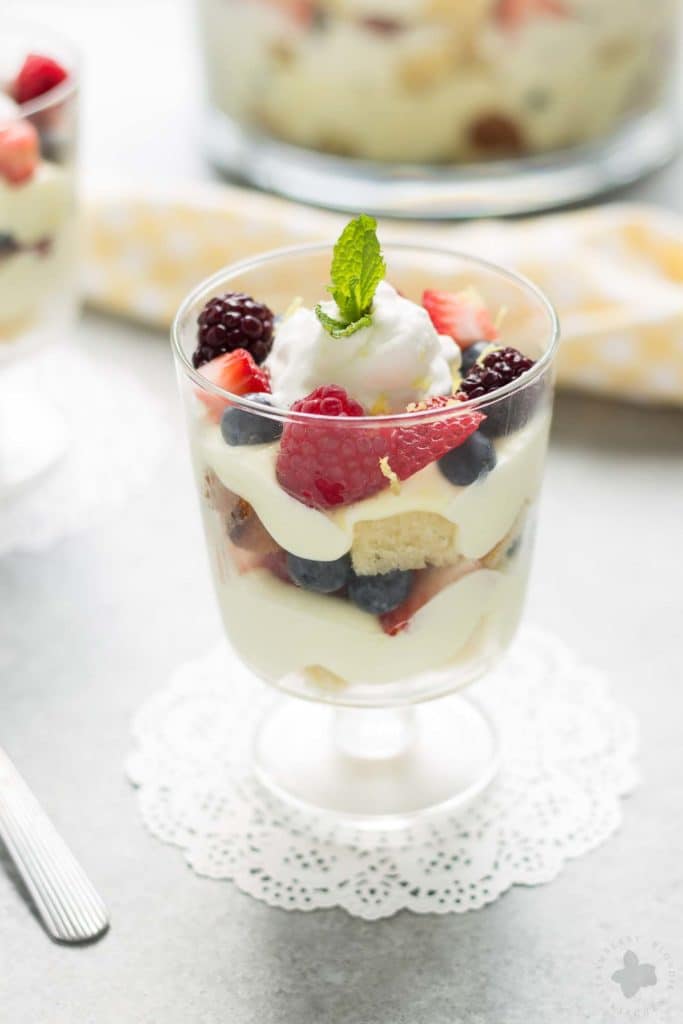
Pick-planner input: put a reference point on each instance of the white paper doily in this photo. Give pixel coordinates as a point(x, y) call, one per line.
point(568, 757)
point(114, 431)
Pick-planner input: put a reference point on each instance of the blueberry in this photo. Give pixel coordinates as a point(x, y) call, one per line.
point(321, 577)
point(241, 427)
point(471, 354)
point(8, 244)
point(381, 593)
point(471, 461)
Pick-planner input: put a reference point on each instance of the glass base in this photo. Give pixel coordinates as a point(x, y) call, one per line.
point(379, 769)
point(475, 190)
point(33, 434)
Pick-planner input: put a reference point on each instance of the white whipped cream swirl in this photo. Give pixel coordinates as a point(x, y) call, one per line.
point(397, 360)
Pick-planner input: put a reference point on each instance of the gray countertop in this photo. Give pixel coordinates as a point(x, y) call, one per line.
point(91, 627)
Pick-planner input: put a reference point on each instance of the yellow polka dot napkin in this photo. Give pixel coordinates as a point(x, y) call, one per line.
point(614, 273)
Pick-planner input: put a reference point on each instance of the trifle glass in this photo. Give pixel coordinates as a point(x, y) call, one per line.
point(368, 561)
point(38, 236)
point(440, 107)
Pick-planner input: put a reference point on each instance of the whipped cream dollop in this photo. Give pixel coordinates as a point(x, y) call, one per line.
point(400, 358)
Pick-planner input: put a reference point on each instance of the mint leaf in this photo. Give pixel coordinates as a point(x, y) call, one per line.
point(339, 329)
point(357, 268)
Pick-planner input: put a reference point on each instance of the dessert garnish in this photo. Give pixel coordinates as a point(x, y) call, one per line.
point(357, 268)
point(19, 151)
point(233, 321)
point(38, 74)
point(462, 315)
point(500, 367)
point(332, 465)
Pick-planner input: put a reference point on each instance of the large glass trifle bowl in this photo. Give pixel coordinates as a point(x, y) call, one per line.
point(369, 489)
point(441, 108)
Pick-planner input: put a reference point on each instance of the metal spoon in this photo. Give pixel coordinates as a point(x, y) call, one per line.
point(69, 906)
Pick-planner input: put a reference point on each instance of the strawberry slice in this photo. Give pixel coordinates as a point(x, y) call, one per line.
point(413, 447)
point(462, 315)
point(37, 76)
point(235, 372)
point(427, 584)
point(300, 11)
point(274, 561)
point(19, 151)
point(512, 14)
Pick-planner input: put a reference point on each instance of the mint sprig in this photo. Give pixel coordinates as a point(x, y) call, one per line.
point(357, 268)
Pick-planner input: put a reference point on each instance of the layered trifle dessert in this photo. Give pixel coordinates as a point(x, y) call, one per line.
point(369, 468)
point(37, 217)
point(436, 81)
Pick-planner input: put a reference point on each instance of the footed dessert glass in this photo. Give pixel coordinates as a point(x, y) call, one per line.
point(38, 237)
point(358, 731)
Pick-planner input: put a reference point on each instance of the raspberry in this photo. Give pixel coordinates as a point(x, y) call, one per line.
point(328, 464)
point(37, 76)
point(231, 321)
point(498, 368)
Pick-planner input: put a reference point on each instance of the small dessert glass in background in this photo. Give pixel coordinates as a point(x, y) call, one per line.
point(463, 108)
point(357, 733)
point(38, 237)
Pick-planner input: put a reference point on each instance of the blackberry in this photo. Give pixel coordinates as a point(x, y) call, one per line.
point(471, 354)
point(231, 321)
point(501, 367)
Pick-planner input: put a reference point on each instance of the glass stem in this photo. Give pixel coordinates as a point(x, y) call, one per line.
point(374, 733)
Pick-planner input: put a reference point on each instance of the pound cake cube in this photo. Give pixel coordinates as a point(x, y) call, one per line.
point(410, 540)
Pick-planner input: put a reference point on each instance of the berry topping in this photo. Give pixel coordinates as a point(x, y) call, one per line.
point(512, 14)
point(471, 461)
point(411, 448)
point(497, 135)
point(233, 321)
point(238, 426)
point(301, 11)
point(462, 315)
point(328, 464)
point(235, 372)
point(382, 26)
point(8, 244)
point(321, 577)
point(329, 400)
point(37, 76)
point(471, 354)
point(500, 367)
point(380, 594)
point(19, 151)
